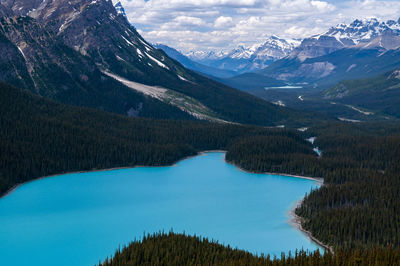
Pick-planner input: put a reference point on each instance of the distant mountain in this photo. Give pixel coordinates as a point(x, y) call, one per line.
point(273, 49)
point(245, 82)
point(188, 63)
point(84, 52)
point(246, 59)
point(366, 34)
point(363, 48)
point(205, 56)
point(323, 71)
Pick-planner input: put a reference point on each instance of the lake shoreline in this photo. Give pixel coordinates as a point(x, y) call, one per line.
point(16, 186)
point(318, 180)
point(294, 221)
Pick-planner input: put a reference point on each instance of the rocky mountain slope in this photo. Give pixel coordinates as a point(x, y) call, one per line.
point(84, 52)
point(38, 60)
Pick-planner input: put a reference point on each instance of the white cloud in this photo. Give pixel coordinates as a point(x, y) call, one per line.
point(222, 24)
point(185, 20)
point(298, 32)
point(323, 5)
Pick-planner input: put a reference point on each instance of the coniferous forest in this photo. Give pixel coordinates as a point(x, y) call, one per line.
point(178, 249)
point(358, 206)
point(39, 137)
point(357, 211)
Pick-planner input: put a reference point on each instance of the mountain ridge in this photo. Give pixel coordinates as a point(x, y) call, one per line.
point(93, 40)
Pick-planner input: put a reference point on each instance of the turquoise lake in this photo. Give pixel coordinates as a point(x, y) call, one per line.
point(79, 219)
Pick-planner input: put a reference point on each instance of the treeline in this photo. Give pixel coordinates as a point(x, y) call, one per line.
point(179, 249)
point(39, 137)
point(290, 155)
point(359, 206)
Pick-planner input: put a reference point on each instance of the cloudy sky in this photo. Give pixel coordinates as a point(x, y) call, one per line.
point(224, 24)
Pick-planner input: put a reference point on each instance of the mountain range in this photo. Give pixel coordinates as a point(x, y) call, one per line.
point(361, 49)
point(193, 65)
point(86, 53)
point(364, 34)
point(246, 59)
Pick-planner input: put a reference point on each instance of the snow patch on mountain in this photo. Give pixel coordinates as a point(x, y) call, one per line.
point(395, 75)
point(156, 61)
point(127, 41)
point(140, 54)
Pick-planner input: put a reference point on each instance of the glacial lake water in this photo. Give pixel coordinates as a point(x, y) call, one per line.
point(79, 219)
point(287, 87)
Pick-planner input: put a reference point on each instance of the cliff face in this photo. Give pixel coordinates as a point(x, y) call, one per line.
point(59, 49)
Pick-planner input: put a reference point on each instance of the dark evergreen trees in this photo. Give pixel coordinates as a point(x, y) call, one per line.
point(39, 137)
point(178, 249)
point(359, 206)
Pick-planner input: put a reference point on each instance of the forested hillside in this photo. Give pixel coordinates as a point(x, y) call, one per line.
point(177, 249)
point(265, 154)
point(359, 205)
point(39, 137)
point(379, 94)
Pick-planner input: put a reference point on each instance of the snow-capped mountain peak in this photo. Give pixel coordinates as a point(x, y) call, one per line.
point(205, 55)
point(120, 9)
point(275, 48)
point(361, 30)
point(241, 52)
point(247, 58)
point(369, 33)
